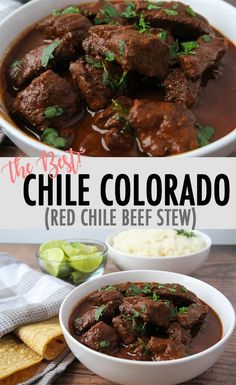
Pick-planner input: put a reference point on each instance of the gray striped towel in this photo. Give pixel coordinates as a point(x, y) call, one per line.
point(28, 296)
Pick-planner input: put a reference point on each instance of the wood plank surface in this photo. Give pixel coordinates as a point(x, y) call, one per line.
point(219, 271)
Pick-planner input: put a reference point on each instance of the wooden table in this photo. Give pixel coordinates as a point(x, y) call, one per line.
point(219, 271)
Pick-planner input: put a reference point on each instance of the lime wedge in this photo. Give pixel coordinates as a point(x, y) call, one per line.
point(86, 263)
point(84, 249)
point(69, 250)
point(52, 245)
point(54, 262)
point(77, 277)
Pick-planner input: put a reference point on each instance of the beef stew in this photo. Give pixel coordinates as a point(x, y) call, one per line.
point(147, 321)
point(129, 78)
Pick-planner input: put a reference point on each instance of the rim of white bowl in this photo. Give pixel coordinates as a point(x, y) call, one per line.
point(39, 146)
point(152, 363)
point(202, 235)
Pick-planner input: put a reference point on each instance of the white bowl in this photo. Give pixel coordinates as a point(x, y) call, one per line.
point(128, 372)
point(186, 264)
point(220, 14)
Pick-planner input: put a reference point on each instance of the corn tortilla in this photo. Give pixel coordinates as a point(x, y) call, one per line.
point(17, 361)
point(45, 337)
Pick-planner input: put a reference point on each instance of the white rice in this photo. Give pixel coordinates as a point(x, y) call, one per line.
point(157, 243)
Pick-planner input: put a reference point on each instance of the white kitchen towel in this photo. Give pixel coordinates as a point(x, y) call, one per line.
point(28, 296)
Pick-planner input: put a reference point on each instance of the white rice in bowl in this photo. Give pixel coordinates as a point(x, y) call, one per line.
point(158, 242)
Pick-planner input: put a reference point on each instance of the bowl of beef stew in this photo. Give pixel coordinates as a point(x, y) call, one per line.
point(135, 327)
point(120, 78)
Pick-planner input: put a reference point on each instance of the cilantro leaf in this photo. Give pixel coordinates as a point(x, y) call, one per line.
point(183, 310)
point(52, 112)
point(110, 56)
point(206, 38)
point(71, 9)
point(48, 53)
point(15, 64)
point(170, 12)
point(121, 48)
point(142, 26)
point(188, 47)
point(129, 12)
point(190, 11)
point(162, 35)
point(104, 344)
point(185, 233)
point(205, 134)
point(99, 312)
point(94, 63)
point(51, 137)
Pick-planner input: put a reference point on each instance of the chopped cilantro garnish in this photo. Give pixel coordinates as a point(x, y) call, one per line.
point(121, 48)
point(99, 312)
point(184, 289)
point(152, 6)
point(190, 11)
point(160, 286)
point(109, 288)
point(48, 53)
point(142, 26)
point(129, 11)
point(104, 344)
point(53, 112)
point(170, 12)
point(110, 56)
point(109, 12)
point(155, 297)
point(206, 38)
point(16, 64)
point(174, 49)
point(183, 310)
point(185, 233)
point(93, 62)
point(51, 136)
point(68, 10)
point(205, 134)
point(175, 6)
point(143, 308)
point(162, 35)
point(136, 314)
point(187, 48)
point(174, 312)
point(171, 290)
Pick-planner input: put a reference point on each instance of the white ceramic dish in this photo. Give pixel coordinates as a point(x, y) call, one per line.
point(185, 265)
point(220, 14)
point(128, 372)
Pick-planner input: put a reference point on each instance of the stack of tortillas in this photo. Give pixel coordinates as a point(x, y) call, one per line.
point(22, 352)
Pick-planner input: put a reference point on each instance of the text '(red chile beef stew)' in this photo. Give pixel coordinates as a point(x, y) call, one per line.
point(145, 321)
point(122, 78)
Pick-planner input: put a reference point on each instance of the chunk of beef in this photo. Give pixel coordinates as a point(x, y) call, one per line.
point(117, 140)
point(125, 328)
point(180, 89)
point(178, 333)
point(89, 79)
point(103, 297)
point(196, 314)
point(57, 26)
point(165, 349)
point(156, 312)
point(175, 292)
point(101, 337)
point(174, 16)
point(89, 318)
point(47, 90)
point(133, 51)
point(206, 55)
point(163, 128)
point(32, 64)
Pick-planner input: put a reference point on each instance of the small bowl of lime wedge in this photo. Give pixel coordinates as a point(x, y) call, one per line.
point(73, 261)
